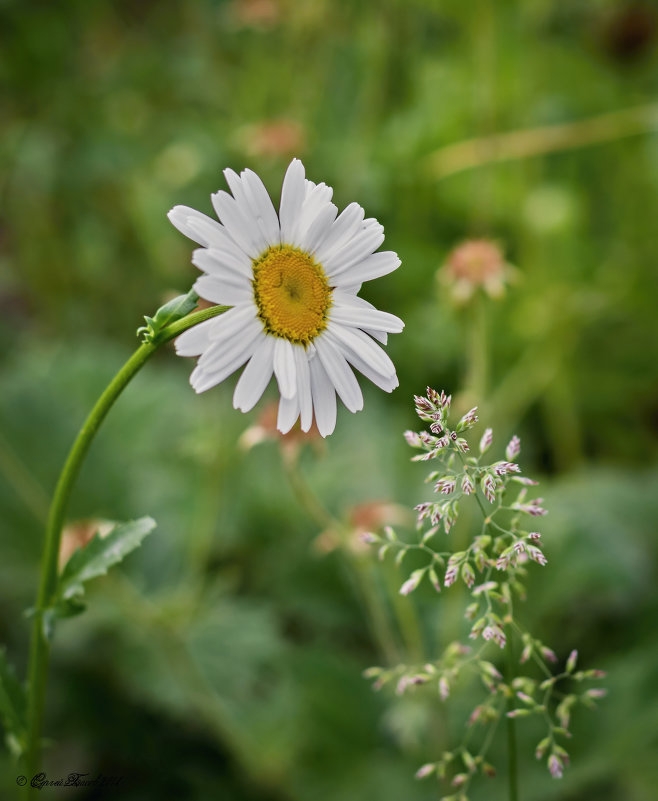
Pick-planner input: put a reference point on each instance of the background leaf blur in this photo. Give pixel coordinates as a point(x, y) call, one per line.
point(224, 659)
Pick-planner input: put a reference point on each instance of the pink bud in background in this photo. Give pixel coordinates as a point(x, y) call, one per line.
point(513, 448)
point(425, 770)
point(487, 439)
point(555, 766)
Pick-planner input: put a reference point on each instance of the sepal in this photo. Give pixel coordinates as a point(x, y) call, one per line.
point(174, 310)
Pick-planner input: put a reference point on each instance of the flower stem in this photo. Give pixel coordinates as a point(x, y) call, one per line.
point(39, 643)
point(477, 377)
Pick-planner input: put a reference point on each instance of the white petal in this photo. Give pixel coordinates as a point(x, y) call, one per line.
point(303, 386)
point(222, 262)
point(293, 193)
point(342, 230)
point(255, 376)
point(195, 225)
point(351, 289)
point(374, 266)
point(237, 190)
point(255, 206)
point(366, 318)
point(351, 340)
point(354, 251)
point(219, 241)
point(231, 322)
point(380, 336)
point(202, 379)
point(262, 207)
point(195, 340)
point(284, 368)
point(224, 351)
point(365, 366)
point(318, 229)
point(324, 398)
point(388, 384)
point(345, 296)
point(317, 201)
point(318, 194)
point(288, 414)
point(339, 374)
point(224, 292)
point(238, 225)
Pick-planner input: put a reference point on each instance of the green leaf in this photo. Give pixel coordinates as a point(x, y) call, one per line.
point(13, 705)
point(95, 558)
point(63, 608)
point(175, 309)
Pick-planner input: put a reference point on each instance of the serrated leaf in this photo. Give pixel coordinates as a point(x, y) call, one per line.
point(95, 558)
point(13, 703)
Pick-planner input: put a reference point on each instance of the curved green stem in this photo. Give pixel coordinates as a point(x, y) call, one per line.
point(39, 643)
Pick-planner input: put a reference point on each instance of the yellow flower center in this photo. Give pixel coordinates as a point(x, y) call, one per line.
point(292, 294)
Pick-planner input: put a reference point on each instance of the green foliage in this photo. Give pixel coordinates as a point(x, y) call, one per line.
point(12, 706)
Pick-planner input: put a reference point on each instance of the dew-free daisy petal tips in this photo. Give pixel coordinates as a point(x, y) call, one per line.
point(292, 279)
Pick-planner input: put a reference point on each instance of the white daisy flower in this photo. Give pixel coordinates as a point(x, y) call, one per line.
point(293, 281)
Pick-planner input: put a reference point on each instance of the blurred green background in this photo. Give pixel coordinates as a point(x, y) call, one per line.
point(224, 659)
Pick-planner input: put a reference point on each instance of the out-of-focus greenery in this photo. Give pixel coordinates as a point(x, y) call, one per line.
point(224, 659)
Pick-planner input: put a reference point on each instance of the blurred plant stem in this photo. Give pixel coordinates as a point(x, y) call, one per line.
point(514, 145)
point(363, 576)
point(23, 482)
point(562, 422)
point(39, 643)
point(484, 54)
point(477, 355)
point(540, 374)
point(203, 528)
point(405, 613)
